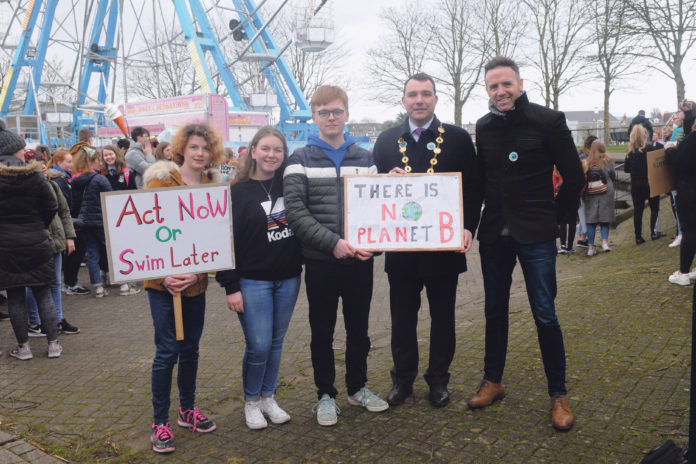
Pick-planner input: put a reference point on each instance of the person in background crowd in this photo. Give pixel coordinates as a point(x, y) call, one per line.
point(87, 186)
point(518, 143)
point(139, 156)
point(113, 167)
point(682, 161)
point(636, 164)
point(61, 163)
point(154, 142)
point(263, 287)
point(599, 203)
point(61, 236)
point(582, 228)
point(678, 126)
point(197, 151)
point(45, 152)
point(313, 191)
point(641, 120)
point(566, 223)
point(27, 208)
point(123, 145)
point(163, 151)
point(667, 132)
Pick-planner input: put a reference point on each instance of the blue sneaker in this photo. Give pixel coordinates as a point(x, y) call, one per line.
point(368, 400)
point(327, 411)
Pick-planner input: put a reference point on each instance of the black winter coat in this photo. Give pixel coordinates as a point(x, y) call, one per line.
point(518, 150)
point(458, 155)
point(86, 199)
point(27, 207)
point(682, 161)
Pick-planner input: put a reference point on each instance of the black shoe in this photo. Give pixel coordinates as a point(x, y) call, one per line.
point(66, 328)
point(582, 243)
point(35, 330)
point(439, 396)
point(640, 241)
point(398, 394)
point(657, 235)
point(4, 317)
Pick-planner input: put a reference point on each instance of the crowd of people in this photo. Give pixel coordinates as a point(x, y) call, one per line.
point(523, 167)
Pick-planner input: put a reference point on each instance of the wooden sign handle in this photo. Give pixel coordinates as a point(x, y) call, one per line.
point(178, 318)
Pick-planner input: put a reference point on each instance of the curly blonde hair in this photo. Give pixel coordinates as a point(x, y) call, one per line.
point(217, 152)
point(638, 140)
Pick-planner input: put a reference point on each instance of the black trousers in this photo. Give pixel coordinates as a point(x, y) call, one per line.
point(639, 194)
point(405, 302)
point(325, 283)
point(71, 262)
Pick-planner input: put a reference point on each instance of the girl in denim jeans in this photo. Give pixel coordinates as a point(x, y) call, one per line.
point(263, 288)
point(197, 151)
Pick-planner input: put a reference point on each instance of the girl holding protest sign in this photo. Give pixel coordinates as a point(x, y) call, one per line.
point(197, 152)
point(263, 288)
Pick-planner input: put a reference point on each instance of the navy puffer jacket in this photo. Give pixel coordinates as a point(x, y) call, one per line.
point(86, 201)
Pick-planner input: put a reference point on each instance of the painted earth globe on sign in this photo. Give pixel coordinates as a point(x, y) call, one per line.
point(412, 211)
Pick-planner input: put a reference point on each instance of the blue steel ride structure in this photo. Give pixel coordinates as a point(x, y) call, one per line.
point(97, 57)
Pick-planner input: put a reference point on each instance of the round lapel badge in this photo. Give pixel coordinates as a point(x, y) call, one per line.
point(431, 146)
point(513, 156)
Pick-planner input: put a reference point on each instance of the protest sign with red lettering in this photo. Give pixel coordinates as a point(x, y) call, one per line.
point(160, 232)
point(415, 212)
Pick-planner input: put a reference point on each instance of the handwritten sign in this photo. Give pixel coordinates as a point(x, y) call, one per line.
point(166, 231)
point(660, 177)
point(416, 212)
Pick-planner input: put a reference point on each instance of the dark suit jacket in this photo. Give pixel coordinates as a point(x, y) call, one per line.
point(518, 151)
point(458, 155)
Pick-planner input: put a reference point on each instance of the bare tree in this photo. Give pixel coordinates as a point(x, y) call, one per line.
point(501, 29)
point(558, 33)
point(459, 55)
point(402, 51)
point(613, 58)
point(671, 29)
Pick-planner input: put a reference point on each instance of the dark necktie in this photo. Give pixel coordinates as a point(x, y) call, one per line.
point(419, 131)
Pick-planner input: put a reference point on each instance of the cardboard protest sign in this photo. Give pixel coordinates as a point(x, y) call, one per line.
point(415, 212)
point(659, 175)
point(160, 232)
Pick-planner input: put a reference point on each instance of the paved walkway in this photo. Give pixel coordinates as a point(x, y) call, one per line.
point(627, 333)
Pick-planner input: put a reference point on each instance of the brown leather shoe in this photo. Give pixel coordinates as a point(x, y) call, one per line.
point(488, 393)
point(561, 417)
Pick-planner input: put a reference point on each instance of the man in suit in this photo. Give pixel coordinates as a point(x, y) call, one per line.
point(518, 144)
point(424, 144)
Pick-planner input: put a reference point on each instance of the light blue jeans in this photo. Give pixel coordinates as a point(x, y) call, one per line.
point(603, 230)
point(55, 293)
point(268, 307)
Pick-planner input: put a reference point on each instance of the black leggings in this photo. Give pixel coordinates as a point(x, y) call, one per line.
point(687, 250)
point(16, 302)
point(639, 194)
point(567, 231)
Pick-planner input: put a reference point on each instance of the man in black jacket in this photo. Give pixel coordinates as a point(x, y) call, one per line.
point(519, 143)
point(642, 120)
point(423, 144)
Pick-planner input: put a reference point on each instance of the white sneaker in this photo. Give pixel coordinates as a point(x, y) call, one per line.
point(605, 247)
point(676, 242)
point(100, 292)
point(591, 251)
point(54, 349)
point(254, 416)
point(327, 411)
point(126, 290)
point(692, 275)
point(275, 413)
point(679, 278)
point(368, 400)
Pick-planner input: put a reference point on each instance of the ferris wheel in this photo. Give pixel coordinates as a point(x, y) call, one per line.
point(67, 60)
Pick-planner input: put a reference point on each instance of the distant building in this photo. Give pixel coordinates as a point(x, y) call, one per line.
point(584, 123)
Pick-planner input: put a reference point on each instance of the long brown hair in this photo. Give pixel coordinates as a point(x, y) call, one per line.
point(120, 163)
point(247, 165)
point(159, 151)
point(598, 155)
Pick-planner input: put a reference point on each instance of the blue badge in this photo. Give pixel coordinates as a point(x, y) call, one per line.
point(513, 156)
point(431, 146)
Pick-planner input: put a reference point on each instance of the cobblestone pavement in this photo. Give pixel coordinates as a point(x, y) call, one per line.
point(627, 334)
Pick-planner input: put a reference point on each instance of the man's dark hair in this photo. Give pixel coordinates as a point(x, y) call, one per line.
point(83, 135)
point(139, 132)
point(422, 77)
point(501, 61)
point(641, 112)
point(123, 144)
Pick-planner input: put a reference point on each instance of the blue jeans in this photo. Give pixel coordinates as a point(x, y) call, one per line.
point(268, 307)
point(169, 351)
point(603, 230)
point(96, 248)
point(33, 308)
point(538, 263)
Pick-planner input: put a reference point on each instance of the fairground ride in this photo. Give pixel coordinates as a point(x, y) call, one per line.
point(70, 60)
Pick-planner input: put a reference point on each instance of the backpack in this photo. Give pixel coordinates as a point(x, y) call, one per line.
point(596, 181)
